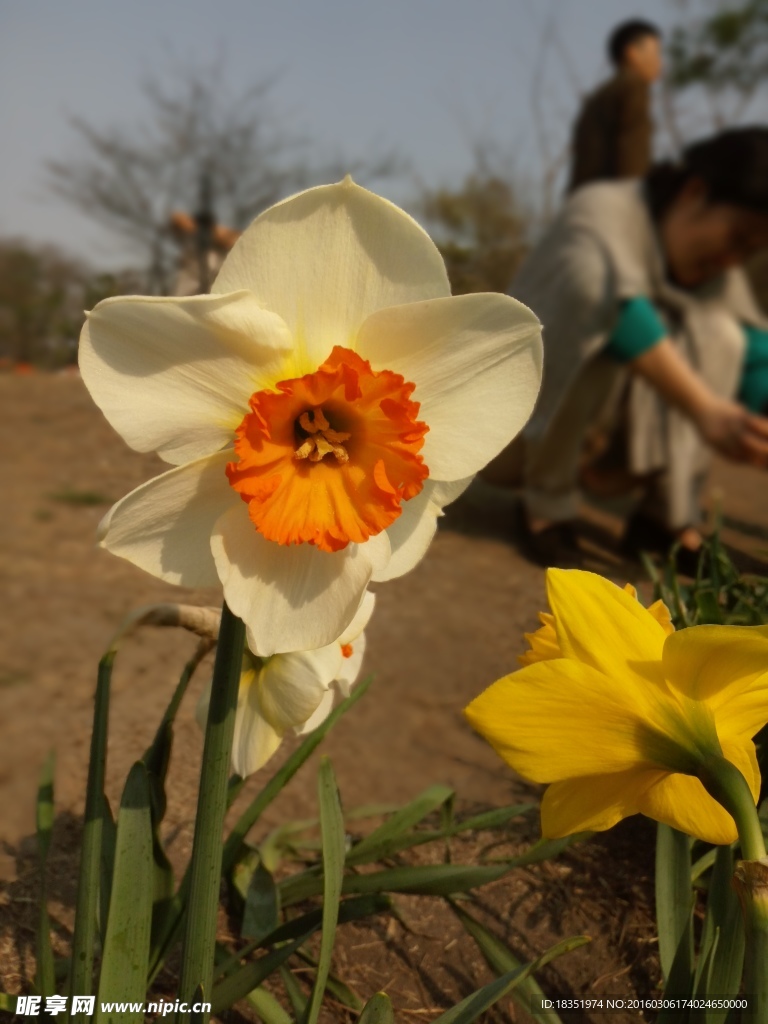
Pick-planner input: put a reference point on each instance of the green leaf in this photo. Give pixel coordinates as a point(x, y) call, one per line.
point(106, 865)
point(674, 899)
point(382, 841)
point(378, 1010)
point(724, 916)
point(294, 992)
point(469, 1009)
point(199, 945)
point(338, 988)
point(197, 1016)
point(267, 1007)
point(422, 880)
point(262, 905)
point(501, 960)
point(45, 981)
point(237, 984)
point(334, 850)
point(234, 844)
point(126, 946)
point(84, 939)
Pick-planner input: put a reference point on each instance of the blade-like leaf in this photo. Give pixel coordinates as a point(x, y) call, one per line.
point(334, 849)
point(469, 1009)
point(376, 846)
point(249, 817)
point(294, 992)
point(126, 947)
point(724, 917)
point(84, 939)
point(422, 880)
point(45, 981)
point(262, 905)
point(378, 1010)
point(674, 899)
point(107, 865)
point(501, 960)
point(237, 984)
point(267, 1007)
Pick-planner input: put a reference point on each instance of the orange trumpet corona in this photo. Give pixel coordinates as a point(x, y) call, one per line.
point(328, 458)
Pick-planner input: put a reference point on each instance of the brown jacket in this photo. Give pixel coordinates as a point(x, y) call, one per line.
point(613, 133)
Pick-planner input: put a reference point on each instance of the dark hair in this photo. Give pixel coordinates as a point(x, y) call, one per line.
point(627, 33)
point(733, 165)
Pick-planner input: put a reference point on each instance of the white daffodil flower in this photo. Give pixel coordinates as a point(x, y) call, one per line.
point(290, 693)
point(321, 407)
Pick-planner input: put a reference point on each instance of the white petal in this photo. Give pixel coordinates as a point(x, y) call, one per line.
point(292, 685)
point(411, 533)
point(350, 667)
point(327, 258)
point(291, 598)
point(165, 526)
point(174, 375)
point(476, 363)
point(322, 711)
point(255, 739)
point(361, 619)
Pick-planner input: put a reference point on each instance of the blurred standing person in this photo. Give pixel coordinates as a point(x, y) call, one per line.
point(613, 135)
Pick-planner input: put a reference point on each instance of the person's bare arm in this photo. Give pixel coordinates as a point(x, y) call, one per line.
point(725, 425)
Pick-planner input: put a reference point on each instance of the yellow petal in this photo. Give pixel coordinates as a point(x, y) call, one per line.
point(601, 625)
point(561, 719)
point(682, 802)
point(726, 666)
point(543, 642)
point(744, 756)
point(593, 803)
point(661, 613)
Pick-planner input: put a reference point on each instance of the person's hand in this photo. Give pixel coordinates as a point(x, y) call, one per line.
point(734, 432)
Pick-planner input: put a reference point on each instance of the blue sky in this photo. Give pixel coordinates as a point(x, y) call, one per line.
point(423, 78)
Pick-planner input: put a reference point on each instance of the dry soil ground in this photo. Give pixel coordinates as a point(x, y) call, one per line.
point(438, 637)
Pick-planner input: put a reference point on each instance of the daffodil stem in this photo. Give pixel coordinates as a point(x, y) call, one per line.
point(205, 865)
point(727, 785)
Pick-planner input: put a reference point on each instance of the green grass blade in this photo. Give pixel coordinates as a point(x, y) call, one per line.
point(126, 946)
point(197, 1016)
point(106, 865)
point(45, 980)
point(262, 905)
point(267, 1007)
point(674, 899)
point(84, 939)
point(338, 988)
point(237, 986)
point(469, 1009)
point(724, 916)
point(205, 866)
point(234, 844)
point(379, 844)
point(422, 880)
point(294, 992)
point(334, 850)
point(378, 1010)
point(501, 960)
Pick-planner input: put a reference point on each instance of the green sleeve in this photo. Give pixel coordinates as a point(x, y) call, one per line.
point(638, 328)
point(753, 391)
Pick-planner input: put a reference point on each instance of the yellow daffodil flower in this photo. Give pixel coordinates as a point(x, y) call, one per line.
point(621, 715)
point(321, 407)
point(290, 693)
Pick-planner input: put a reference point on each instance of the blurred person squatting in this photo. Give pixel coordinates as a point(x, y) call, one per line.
point(613, 134)
point(652, 338)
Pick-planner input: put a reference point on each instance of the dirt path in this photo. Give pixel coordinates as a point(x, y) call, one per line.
point(437, 638)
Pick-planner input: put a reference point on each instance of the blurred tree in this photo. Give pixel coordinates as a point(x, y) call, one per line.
point(721, 52)
point(43, 293)
point(196, 136)
point(480, 229)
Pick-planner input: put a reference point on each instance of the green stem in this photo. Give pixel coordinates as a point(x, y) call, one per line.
point(84, 939)
point(205, 866)
point(727, 785)
point(723, 781)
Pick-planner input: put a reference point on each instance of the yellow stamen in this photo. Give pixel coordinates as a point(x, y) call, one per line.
point(323, 439)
